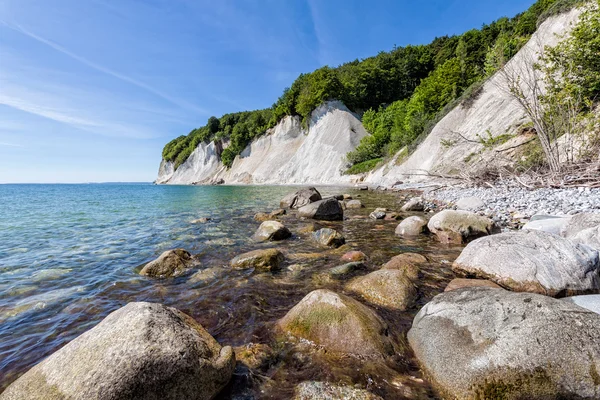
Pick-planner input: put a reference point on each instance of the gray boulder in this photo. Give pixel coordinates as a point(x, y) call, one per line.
point(484, 343)
point(169, 264)
point(140, 351)
point(260, 260)
point(327, 210)
point(589, 237)
point(414, 204)
point(580, 222)
point(338, 323)
point(390, 288)
point(328, 391)
point(470, 204)
point(353, 204)
point(411, 226)
point(300, 198)
point(328, 237)
point(452, 226)
point(551, 225)
point(590, 302)
point(532, 261)
point(271, 230)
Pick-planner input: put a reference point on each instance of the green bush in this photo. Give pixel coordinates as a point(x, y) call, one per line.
point(363, 167)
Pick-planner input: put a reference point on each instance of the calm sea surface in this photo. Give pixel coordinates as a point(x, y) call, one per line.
point(69, 255)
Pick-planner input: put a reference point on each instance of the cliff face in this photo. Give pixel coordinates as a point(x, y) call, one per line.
point(287, 154)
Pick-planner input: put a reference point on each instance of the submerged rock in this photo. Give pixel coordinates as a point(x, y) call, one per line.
point(328, 391)
point(389, 288)
point(353, 256)
point(329, 237)
point(414, 204)
point(255, 355)
point(532, 261)
point(141, 351)
point(408, 263)
point(300, 198)
point(483, 343)
point(271, 230)
point(262, 217)
point(338, 323)
point(452, 226)
point(459, 283)
point(261, 260)
point(411, 226)
point(345, 270)
point(327, 210)
point(170, 263)
point(202, 220)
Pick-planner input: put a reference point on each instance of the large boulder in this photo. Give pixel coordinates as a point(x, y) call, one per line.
point(580, 222)
point(169, 264)
point(260, 260)
point(411, 226)
point(451, 226)
point(140, 351)
point(484, 343)
point(532, 261)
point(328, 391)
point(327, 210)
point(271, 230)
point(590, 237)
point(414, 204)
point(390, 288)
point(338, 323)
point(328, 237)
point(300, 198)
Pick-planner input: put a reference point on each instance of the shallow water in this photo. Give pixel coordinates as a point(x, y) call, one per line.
point(69, 256)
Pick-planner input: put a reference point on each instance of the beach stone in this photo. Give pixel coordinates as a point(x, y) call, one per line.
point(169, 264)
point(589, 237)
point(414, 204)
point(271, 231)
point(277, 213)
point(393, 216)
point(580, 222)
point(261, 260)
point(328, 237)
point(470, 203)
point(347, 196)
point(328, 391)
point(551, 225)
point(484, 343)
point(532, 261)
point(308, 228)
point(338, 323)
point(411, 226)
point(353, 204)
point(141, 351)
point(377, 215)
point(451, 226)
point(345, 270)
point(389, 288)
point(459, 283)
point(590, 301)
point(353, 256)
point(300, 198)
point(328, 210)
point(261, 217)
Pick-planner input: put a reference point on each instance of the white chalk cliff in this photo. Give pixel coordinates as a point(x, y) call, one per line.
point(289, 154)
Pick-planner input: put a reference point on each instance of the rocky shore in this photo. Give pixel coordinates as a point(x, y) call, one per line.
point(519, 319)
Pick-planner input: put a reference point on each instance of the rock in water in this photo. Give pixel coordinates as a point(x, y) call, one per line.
point(327, 210)
point(460, 283)
point(411, 226)
point(345, 270)
point(414, 204)
point(141, 351)
point(408, 263)
point(483, 343)
point(452, 226)
point(353, 256)
point(329, 391)
point(470, 203)
point(329, 237)
point(353, 204)
point(261, 260)
point(261, 217)
point(271, 230)
point(170, 263)
point(377, 215)
point(300, 198)
point(338, 323)
point(532, 261)
point(389, 288)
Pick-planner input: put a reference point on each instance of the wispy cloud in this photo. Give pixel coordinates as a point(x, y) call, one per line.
point(10, 144)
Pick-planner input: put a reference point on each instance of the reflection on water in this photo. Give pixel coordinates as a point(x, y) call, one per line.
point(69, 256)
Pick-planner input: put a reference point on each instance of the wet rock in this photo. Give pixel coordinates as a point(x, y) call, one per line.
point(394, 216)
point(328, 391)
point(300, 198)
point(271, 231)
point(277, 213)
point(308, 228)
point(338, 323)
point(328, 237)
point(261, 217)
point(170, 263)
point(206, 275)
point(345, 270)
point(414, 204)
point(261, 260)
point(353, 256)
point(354, 204)
point(346, 196)
point(590, 302)
point(589, 237)
point(411, 226)
point(255, 355)
point(202, 220)
point(551, 225)
point(470, 204)
point(452, 226)
point(580, 222)
point(459, 283)
point(484, 343)
point(408, 262)
point(389, 288)
point(141, 351)
point(532, 261)
point(328, 210)
point(377, 215)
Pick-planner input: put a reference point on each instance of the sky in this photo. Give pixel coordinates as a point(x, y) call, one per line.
point(91, 90)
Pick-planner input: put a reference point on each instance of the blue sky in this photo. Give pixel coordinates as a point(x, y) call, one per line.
point(91, 90)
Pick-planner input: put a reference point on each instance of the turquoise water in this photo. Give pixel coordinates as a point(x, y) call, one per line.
point(69, 255)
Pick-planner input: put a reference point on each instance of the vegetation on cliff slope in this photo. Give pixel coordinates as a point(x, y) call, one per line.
point(400, 91)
